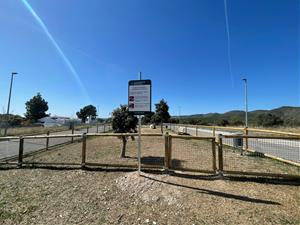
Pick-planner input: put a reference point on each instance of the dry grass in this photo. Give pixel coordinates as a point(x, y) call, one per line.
point(41, 196)
point(255, 162)
point(17, 131)
point(45, 196)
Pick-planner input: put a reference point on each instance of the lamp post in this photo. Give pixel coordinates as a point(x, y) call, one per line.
point(246, 101)
point(9, 97)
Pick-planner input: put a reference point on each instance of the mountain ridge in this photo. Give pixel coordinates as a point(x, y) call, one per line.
point(284, 115)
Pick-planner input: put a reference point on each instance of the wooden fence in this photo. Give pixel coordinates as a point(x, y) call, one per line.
point(181, 152)
point(214, 131)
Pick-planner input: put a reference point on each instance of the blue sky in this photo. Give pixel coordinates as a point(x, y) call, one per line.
point(181, 45)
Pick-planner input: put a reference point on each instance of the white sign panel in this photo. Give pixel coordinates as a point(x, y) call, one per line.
point(139, 96)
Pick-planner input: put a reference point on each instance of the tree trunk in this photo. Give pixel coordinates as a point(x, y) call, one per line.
point(161, 128)
point(123, 150)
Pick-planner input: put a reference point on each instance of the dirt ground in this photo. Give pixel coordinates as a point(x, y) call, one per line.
point(44, 196)
point(70, 195)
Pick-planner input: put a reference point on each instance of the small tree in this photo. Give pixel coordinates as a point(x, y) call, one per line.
point(161, 113)
point(123, 121)
point(36, 108)
point(147, 118)
point(87, 111)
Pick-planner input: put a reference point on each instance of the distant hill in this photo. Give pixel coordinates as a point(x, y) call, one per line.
point(286, 115)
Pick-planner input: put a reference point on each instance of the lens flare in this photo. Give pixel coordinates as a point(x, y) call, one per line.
point(228, 43)
point(59, 50)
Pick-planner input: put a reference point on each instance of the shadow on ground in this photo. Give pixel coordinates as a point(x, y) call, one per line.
point(218, 193)
point(157, 160)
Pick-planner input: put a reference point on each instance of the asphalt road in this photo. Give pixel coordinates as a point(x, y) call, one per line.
point(286, 149)
point(11, 148)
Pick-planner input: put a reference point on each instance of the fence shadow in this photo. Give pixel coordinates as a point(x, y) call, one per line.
point(237, 178)
point(158, 160)
point(218, 193)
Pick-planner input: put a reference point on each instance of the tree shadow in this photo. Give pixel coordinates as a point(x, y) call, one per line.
point(218, 193)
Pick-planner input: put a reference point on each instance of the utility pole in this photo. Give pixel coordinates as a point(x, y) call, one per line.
point(8, 104)
point(246, 101)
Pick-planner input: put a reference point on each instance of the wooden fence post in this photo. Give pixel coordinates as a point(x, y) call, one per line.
point(103, 128)
point(170, 152)
point(220, 153)
point(97, 127)
point(87, 129)
point(47, 140)
point(214, 158)
point(166, 151)
point(72, 139)
point(21, 149)
point(83, 155)
point(214, 131)
point(196, 130)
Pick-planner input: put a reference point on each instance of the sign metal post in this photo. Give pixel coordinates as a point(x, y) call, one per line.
point(139, 102)
point(140, 136)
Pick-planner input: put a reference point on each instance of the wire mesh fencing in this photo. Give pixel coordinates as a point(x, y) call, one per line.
point(9, 145)
point(193, 153)
point(107, 150)
point(69, 154)
point(153, 151)
point(259, 154)
point(172, 152)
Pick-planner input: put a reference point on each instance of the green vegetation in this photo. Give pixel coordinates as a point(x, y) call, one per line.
point(13, 120)
point(124, 121)
point(160, 116)
point(36, 108)
point(87, 111)
point(283, 116)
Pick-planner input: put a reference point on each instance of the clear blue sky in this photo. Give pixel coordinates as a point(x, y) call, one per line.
point(181, 45)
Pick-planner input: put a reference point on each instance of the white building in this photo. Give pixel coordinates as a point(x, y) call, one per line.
point(53, 121)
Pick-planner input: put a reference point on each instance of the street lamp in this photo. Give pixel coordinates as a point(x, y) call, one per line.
point(246, 101)
point(9, 97)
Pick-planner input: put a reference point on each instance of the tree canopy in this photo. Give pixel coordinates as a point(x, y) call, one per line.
point(162, 111)
point(87, 111)
point(36, 108)
point(123, 121)
point(147, 118)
